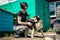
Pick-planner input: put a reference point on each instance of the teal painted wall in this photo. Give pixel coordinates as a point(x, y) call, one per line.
point(42, 9)
point(47, 15)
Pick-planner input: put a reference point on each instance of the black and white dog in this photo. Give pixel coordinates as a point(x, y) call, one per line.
point(36, 24)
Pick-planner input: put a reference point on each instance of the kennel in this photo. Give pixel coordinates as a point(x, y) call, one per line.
point(6, 21)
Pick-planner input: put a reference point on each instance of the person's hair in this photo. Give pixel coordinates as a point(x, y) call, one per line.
point(23, 4)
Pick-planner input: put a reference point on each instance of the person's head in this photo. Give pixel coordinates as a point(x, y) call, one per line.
point(24, 5)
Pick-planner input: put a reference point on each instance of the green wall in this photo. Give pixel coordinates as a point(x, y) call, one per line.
point(42, 9)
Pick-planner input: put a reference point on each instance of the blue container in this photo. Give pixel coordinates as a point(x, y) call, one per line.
point(6, 21)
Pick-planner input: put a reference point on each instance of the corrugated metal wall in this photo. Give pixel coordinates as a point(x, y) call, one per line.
point(47, 15)
point(6, 21)
point(42, 9)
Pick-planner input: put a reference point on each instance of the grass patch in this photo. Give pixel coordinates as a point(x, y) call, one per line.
point(50, 30)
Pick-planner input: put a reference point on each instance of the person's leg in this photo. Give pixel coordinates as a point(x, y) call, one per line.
point(25, 29)
point(20, 30)
point(16, 32)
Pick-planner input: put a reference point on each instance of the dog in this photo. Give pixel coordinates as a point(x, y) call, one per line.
point(36, 24)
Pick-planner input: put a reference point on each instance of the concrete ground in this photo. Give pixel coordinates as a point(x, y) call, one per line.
point(48, 36)
point(11, 38)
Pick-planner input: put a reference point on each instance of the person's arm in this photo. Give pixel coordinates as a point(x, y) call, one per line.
point(20, 22)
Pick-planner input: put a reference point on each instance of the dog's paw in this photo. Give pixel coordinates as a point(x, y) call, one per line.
point(32, 36)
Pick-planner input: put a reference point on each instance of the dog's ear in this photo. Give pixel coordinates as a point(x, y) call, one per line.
point(37, 17)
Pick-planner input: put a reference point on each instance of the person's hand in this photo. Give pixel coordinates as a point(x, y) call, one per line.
point(30, 24)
